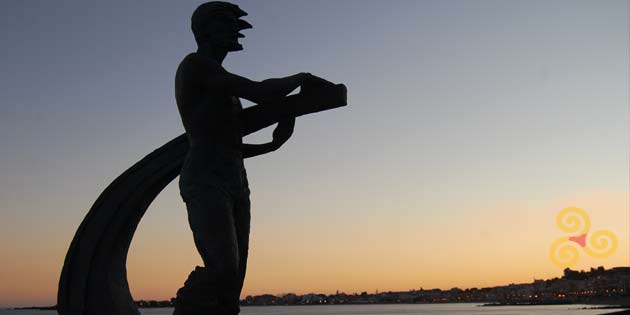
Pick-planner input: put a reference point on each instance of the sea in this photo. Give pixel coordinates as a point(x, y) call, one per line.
point(390, 309)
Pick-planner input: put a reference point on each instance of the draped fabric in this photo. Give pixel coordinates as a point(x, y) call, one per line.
point(94, 275)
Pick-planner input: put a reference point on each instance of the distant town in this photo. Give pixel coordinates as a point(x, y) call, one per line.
point(596, 286)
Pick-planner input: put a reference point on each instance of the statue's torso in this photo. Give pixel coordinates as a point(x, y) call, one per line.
point(211, 120)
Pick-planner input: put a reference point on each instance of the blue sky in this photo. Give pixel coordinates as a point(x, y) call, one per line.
point(464, 117)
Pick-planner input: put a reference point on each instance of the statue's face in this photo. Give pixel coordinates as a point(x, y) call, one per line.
point(223, 31)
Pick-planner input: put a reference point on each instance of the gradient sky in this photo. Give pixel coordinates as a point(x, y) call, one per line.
point(470, 125)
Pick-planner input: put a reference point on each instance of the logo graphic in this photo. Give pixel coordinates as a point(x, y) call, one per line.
point(564, 251)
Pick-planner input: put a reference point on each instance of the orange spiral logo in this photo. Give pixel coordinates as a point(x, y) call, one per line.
point(564, 251)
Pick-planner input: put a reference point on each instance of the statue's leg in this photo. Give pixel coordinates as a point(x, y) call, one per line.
point(211, 290)
point(242, 217)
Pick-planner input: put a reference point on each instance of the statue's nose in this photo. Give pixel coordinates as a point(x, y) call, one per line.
point(243, 25)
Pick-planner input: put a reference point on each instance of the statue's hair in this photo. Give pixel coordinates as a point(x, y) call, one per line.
point(207, 11)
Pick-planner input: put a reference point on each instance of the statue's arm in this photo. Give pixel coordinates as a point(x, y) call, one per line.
point(251, 150)
point(270, 90)
point(261, 116)
point(316, 95)
point(281, 134)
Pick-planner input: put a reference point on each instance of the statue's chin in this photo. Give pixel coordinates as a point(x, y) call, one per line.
point(227, 44)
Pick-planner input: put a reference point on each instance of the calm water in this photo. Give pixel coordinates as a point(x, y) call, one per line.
point(421, 309)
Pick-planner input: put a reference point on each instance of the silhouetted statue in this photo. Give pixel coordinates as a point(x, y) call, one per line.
point(213, 181)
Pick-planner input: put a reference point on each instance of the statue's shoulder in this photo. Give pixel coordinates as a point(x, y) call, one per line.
point(197, 62)
point(195, 69)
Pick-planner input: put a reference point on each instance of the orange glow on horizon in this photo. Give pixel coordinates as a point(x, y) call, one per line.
point(400, 257)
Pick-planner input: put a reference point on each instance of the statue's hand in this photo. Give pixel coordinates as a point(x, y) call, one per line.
point(281, 87)
point(323, 93)
point(283, 131)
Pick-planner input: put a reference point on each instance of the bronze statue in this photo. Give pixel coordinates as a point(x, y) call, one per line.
point(213, 183)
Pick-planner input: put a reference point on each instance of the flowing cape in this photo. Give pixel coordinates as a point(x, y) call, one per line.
point(94, 276)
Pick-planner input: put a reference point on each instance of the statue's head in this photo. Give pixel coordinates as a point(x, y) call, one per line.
point(218, 23)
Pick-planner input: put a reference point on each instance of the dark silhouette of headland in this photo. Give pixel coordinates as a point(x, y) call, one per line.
point(597, 286)
point(608, 288)
point(213, 182)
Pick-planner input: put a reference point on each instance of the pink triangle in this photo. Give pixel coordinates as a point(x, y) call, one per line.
point(579, 239)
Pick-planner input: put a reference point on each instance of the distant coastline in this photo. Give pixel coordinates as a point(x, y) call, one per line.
point(39, 308)
point(595, 287)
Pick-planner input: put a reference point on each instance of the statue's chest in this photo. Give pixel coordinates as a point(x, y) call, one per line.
point(235, 110)
point(235, 103)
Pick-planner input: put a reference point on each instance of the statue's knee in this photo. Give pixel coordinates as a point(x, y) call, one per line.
point(223, 261)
